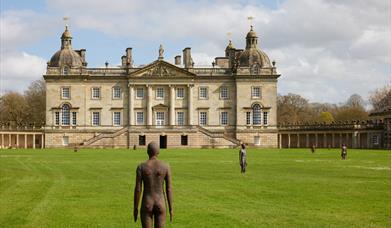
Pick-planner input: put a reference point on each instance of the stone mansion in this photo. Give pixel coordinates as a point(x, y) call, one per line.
point(176, 105)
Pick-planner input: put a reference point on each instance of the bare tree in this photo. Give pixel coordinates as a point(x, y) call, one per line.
point(35, 96)
point(381, 98)
point(13, 108)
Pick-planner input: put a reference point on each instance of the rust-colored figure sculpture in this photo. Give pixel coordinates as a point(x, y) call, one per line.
point(152, 174)
point(344, 151)
point(242, 159)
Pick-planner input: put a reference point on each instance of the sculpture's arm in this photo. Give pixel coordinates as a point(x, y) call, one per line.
point(169, 193)
point(137, 193)
point(240, 156)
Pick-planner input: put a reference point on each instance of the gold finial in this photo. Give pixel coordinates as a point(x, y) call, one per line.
point(66, 19)
point(250, 19)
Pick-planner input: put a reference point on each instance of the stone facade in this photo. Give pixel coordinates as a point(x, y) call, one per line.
point(177, 105)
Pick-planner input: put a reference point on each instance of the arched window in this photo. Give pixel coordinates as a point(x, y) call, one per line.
point(65, 112)
point(257, 114)
point(65, 70)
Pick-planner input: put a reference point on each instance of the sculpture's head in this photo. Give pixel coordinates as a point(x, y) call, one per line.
point(243, 146)
point(153, 149)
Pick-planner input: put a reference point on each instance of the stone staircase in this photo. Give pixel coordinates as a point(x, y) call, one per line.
point(220, 135)
point(104, 136)
point(107, 139)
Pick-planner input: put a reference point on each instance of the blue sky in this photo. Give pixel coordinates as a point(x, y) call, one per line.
point(325, 50)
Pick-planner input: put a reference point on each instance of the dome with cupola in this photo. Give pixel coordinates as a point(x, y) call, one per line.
point(252, 54)
point(66, 56)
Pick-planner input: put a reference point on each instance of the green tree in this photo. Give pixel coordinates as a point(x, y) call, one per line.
point(326, 117)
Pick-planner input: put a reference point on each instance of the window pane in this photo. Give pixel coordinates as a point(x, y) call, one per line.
point(180, 92)
point(117, 118)
point(95, 118)
point(116, 92)
point(139, 92)
point(256, 92)
point(203, 118)
point(265, 119)
point(65, 93)
point(65, 112)
point(140, 118)
point(96, 93)
point(160, 93)
point(203, 92)
point(159, 118)
point(57, 118)
point(248, 118)
point(257, 114)
point(224, 118)
point(74, 118)
point(180, 118)
point(224, 92)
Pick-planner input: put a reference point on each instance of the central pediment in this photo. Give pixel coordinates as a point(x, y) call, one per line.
point(160, 68)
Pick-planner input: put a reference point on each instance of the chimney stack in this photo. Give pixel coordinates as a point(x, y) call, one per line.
point(187, 60)
point(129, 60)
point(178, 60)
point(123, 61)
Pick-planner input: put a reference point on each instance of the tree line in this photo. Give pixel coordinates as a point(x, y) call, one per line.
point(27, 108)
point(30, 107)
point(294, 109)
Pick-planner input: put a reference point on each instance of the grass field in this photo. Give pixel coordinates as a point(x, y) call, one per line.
point(282, 188)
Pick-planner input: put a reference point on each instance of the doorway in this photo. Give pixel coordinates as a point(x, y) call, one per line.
point(163, 141)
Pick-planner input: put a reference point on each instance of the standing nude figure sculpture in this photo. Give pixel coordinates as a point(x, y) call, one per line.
point(152, 174)
point(242, 159)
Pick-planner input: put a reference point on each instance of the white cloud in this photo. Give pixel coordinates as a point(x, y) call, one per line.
point(22, 28)
point(326, 50)
point(18, 70)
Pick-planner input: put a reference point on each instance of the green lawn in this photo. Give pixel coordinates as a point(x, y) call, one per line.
point(282, 188)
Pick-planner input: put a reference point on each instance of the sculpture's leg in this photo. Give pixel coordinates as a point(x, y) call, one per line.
point(146, 219)
point(160, 220)
point(160, 216)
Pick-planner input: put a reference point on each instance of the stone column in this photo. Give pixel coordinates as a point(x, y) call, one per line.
point(2, 141)
point(325, 140)
point(333, 140)
point(43, 140)
point(280, 141)
point(149, 105)
point(190, 104)
point(307, 140)
point(25, 141)
point(172, 106)
point(17, 140)
point(347, 139)
point(316, 139)
point(298, 141)
point(33, 141)
point(131, 105)
point(289, 140)
point(9, 140)
point(340, 139)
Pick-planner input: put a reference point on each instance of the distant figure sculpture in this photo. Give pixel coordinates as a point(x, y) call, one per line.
point(242, 159)
point(344, 151)
point(152, 174)
point(161, 52)
point(313, 148)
